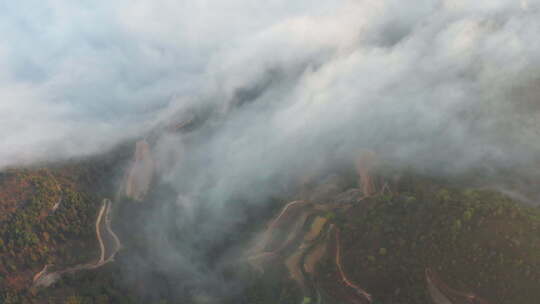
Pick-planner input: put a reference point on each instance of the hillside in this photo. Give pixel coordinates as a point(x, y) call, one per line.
point(343, 238)
point(48, 218)
point(477, 242)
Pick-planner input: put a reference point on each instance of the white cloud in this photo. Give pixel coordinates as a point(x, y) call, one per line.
point(80, 76)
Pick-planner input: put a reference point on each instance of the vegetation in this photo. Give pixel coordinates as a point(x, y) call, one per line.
point(36, 234)
point(48, 217)
point(478, 241)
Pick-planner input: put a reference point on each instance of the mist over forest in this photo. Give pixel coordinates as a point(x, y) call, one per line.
point(200, 121)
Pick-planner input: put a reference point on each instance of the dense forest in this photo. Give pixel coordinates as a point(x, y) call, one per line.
point(48, 216)
point(476, 240)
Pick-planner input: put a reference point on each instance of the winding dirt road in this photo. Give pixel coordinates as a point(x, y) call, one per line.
point(109, 244)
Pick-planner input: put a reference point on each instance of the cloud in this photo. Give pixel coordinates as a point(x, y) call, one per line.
point(442, 86)
point(103, 71)
point(80, 77)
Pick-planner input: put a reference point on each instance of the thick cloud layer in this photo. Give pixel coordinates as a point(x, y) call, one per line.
point(437, 81)
point(77, 77)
